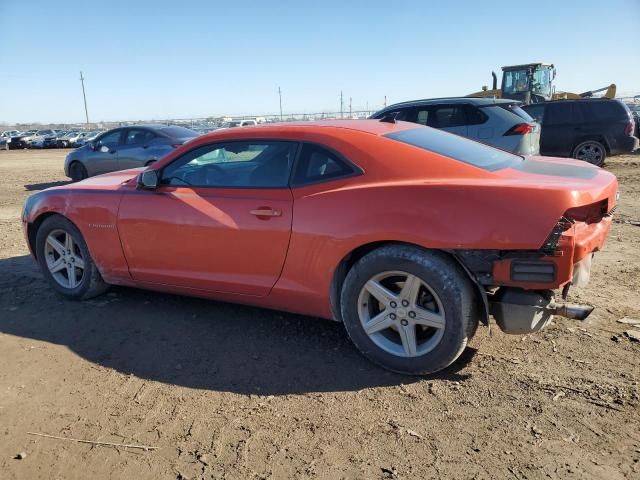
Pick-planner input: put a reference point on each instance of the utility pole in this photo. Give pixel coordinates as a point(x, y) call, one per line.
point(350, 115)
point(341, 105)
point(385, 100)
point(280, 95)
point(84, 96)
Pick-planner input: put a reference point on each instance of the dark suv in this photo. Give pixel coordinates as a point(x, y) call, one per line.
point(586, 129)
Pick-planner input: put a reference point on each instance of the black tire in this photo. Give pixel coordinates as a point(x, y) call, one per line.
point(91, 283)
point(443, 276)
point(77, 172)
point(590, 151)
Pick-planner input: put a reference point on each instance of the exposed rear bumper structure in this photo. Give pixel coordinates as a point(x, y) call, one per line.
point(520, 311)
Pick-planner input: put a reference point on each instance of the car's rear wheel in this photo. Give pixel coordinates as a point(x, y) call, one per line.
point(65, 261)
point(78, 171)
point(590, 151)
point(409, 310)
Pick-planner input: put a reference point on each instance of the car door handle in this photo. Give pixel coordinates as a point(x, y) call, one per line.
point(265, 212)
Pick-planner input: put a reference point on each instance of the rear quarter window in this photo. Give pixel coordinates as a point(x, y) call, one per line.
point(605, 110)
point(516, 110)
point(456, 147)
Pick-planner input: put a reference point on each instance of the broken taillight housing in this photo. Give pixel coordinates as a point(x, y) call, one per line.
point(591, 213)
point(551, 243)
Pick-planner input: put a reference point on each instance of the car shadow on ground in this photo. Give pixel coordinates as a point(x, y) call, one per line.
point(193, 342)
point(30, 187)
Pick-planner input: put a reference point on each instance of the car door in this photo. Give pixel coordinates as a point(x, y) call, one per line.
point(558, 130)
point(219, 221)
point(103, 156)
point(136, 149)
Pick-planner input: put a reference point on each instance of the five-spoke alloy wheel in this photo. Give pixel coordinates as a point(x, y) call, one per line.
point(65, 260)
point(401, 314)
point(408, 309)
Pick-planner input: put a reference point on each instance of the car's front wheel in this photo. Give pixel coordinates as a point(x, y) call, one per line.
point(590, 151)
point(65, 261)
point(78, 171)
point(409, 310)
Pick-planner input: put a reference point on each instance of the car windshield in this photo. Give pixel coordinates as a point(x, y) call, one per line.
point(456, 147)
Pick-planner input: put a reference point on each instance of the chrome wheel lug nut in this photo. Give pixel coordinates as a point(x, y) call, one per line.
point(405, 303)
point(412, 314)
point(404, 322)
point(393, 304)
point(392, 316)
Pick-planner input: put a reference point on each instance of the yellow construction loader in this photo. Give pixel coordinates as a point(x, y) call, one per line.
point(533, 83)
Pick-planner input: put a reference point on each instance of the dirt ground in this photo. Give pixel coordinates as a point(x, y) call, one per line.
point(226, 391)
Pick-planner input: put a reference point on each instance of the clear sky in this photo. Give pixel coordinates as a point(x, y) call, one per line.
point(155, 59)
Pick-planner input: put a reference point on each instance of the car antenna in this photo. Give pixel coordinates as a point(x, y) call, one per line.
point(389, 118)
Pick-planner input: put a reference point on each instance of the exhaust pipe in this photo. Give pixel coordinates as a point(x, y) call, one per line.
point(518, 311)
point(572, 310)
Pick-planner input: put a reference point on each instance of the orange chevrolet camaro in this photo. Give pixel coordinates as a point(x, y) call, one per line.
point(408, 235)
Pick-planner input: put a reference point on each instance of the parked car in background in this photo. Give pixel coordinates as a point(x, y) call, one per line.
point(85, 137)
point(239, 123)
point(28, 136)
point(496, 122)
point(64, 140)
point(75, 138)
point(586, 129)
point(5, 138)
point(43, 139)
point(123, 148)
point(634, 108)
point(15, 141)
point(433, 231)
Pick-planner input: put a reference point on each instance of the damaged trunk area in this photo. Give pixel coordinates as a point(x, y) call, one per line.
point(518, 286)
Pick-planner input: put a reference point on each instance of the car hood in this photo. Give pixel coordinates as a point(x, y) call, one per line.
point(107, 181)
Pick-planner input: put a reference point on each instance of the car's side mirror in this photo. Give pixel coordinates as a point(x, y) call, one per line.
point(148, 180)
point(103, 149)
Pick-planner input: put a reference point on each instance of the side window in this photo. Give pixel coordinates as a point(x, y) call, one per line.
point(558, 114)
point(475, 116)
point(448, 116)
point(247, 164)
point(318, 164)
point(405, 115)
point(110, 139)
point(138, 137)
point(423, 117)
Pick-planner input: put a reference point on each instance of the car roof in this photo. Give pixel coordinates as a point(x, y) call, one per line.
point(373, 127)
point(477, 101)
point(569, 101)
